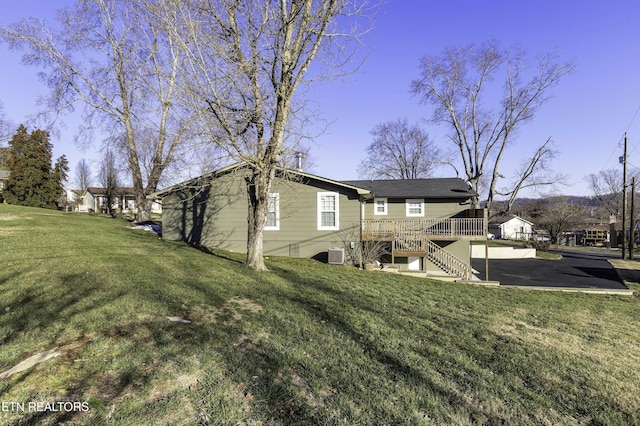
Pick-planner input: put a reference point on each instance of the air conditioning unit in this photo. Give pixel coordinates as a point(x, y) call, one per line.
point(336, 256)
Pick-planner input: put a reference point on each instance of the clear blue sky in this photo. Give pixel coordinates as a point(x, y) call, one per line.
point(590, 112)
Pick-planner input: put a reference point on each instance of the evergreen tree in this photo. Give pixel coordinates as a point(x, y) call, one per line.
point(58, 178)
point(31, 180)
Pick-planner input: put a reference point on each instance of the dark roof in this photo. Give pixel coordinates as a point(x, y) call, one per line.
point(416, 188)
point(206, 179)
point(447, 188)
point(500, 219)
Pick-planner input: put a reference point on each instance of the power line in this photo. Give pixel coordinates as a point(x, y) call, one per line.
point(633, 119)
point(635, 146)
point(621, 140)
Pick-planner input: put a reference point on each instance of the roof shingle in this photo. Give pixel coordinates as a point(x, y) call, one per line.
point(416, 188)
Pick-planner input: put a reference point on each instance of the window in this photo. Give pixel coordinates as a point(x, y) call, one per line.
point(273, 213)
point(328, 211)
point(415, 207)
point(380, 206)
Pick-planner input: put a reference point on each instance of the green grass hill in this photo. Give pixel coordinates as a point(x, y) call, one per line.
point(141, 331)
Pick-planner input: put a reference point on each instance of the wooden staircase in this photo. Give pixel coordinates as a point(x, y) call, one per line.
point(446, 261)
point(408, 245)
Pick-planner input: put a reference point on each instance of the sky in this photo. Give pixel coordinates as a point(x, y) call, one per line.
point(587, 118)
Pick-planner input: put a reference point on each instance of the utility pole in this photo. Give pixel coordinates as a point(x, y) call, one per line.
point(624, 199)
point(632, 225)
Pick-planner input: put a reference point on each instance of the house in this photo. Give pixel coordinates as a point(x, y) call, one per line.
point(511, 227)
point(597, 235)
point(93, 200)
point(73, 199)
point(426, 223)
point(4, 168)
point(4, 176)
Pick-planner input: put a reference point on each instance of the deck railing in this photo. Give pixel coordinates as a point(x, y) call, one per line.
point(445, 228)
point(447, 261)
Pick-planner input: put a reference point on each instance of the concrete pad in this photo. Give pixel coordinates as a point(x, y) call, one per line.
point(607, 291)
point(478, 252)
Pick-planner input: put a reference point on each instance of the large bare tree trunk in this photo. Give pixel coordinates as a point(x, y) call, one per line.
point(258, 196)
point(143, 210)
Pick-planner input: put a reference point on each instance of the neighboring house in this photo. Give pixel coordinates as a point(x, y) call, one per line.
point(511, 227)
point(597, 235)
point(74, 198)
point(427, 223)
point(93, 199)
point(4, 168)
point(4, 175)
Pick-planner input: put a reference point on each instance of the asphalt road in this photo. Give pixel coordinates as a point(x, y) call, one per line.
point(580, 270)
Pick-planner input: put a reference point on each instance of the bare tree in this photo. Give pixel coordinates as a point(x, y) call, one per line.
point(248, 59)
point(400, 151)
point(109, 178)
point(458, 86)
point(559, 216)
point(117, 59)
point(6, 127)
point(83, 174)
point(606, 186)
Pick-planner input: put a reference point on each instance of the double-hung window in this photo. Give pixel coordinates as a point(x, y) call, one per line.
point(273, 213)
point(415, 207)
point(328, 208)
point(380, 206)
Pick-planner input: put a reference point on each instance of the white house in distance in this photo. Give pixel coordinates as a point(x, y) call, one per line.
point(511, 227)
point(92, 200)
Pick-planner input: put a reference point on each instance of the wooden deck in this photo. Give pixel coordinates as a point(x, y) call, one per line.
point(417, 230)
point(415, 237)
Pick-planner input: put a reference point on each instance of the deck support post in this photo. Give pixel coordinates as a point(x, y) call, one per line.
point(486, 244)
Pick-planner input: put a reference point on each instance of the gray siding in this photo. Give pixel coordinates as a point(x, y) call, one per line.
point(217, 217)
point(433, 209)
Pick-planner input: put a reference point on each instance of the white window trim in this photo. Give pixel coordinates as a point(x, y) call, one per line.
point(319, 208)
point(375, 207)
point(275, 195)
point(410, 201)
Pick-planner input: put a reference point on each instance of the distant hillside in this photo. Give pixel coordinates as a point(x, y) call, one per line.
point(573, 199)
point(525, 207)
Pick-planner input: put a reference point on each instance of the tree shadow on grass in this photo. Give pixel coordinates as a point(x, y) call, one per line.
point(157, 342)
point(53, 304)
point(281, 391)
point(48, 309)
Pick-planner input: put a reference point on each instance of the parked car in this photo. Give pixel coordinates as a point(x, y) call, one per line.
point(490, 236)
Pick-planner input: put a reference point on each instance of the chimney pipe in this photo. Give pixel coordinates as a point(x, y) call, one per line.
point(299, 159)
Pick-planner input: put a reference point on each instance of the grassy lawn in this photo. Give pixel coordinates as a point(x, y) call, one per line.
point(305, 343)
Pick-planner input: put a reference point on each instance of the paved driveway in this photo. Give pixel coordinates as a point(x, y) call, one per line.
point(580, 270)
